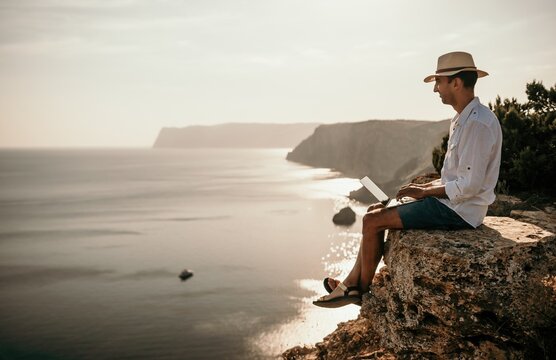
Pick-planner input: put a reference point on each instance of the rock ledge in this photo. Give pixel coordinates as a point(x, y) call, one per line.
point(485, 293)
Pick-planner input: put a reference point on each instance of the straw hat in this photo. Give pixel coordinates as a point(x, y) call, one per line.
point(453, 63)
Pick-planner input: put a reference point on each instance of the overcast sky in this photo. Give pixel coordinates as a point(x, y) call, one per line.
point(113, 72)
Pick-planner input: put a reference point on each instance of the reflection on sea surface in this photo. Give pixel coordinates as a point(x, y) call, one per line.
point(309, 327)
point(313, 323)
point(328, 184)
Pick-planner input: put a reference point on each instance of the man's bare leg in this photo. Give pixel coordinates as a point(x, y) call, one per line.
point(372, 248)
point(354, 277)
point(372, 245)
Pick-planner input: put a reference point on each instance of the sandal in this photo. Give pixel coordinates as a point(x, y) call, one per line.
point(352, 295)
point(326, 285)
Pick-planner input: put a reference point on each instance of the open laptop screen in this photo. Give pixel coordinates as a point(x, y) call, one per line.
point(375, 190)
point(381, 196)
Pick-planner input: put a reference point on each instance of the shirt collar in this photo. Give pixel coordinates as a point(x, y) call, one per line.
point(467, 110)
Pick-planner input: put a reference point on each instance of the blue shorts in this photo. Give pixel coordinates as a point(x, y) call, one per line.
point(429, 213)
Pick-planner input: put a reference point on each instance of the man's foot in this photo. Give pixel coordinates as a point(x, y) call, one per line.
point(342, 295)
point(330, 284)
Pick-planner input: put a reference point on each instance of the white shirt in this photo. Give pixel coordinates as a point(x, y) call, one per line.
point(472, 162)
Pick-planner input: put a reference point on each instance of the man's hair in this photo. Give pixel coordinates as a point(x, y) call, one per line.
point(469, 78)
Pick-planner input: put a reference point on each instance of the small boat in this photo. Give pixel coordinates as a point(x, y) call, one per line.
point(186, 274)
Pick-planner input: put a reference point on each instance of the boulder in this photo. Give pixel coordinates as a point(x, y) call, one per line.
point(346, 216)
point(471, 294)
point(185, 274)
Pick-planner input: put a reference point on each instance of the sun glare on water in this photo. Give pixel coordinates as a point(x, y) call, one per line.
point(335, 187)
point(309, 327)
point(313, 323)
point(326, 183)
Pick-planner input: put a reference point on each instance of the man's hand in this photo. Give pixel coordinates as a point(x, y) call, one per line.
point(418, 191)
point(430, 184)
point(422, 186)
point(411, 190)
point(375, 206)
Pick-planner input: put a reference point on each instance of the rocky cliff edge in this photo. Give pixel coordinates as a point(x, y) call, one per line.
point(488, 293)
point(390, 152)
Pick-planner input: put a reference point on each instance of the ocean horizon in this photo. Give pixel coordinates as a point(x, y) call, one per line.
point(93, 241)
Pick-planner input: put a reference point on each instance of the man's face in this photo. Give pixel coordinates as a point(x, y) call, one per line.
point(444, 89)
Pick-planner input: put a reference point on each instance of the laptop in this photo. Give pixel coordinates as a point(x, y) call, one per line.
point(381, 196)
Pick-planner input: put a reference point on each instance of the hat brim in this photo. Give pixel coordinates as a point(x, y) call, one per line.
point(431, 78)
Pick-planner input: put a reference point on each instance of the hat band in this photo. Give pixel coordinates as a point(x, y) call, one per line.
point(455, 69)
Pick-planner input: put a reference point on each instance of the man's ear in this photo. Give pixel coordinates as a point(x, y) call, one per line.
point(458, 83)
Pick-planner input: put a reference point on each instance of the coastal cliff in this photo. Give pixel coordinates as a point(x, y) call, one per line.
point(390, 152)
point(488, 293)
point(235, 135)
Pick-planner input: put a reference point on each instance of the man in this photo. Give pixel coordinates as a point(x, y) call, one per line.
point(458, 200)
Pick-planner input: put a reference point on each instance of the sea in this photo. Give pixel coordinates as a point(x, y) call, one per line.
point(92, 242)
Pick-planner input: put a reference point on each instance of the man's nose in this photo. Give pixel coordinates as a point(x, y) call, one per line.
point(435, 88)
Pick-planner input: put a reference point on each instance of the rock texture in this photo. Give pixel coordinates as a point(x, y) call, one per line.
point(488, 293)
point(389, 152)
point(545, 219)
point(235, 135)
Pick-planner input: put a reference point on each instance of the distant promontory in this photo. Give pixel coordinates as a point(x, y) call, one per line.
point(235, 135)
point(390, 152)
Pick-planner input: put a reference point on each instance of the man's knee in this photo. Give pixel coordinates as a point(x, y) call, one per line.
point(370, 219)
point(381, 219)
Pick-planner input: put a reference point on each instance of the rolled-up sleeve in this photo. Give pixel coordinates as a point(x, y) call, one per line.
point(474, 153)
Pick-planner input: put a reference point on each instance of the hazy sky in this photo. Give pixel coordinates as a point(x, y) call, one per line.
point(113, 72)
